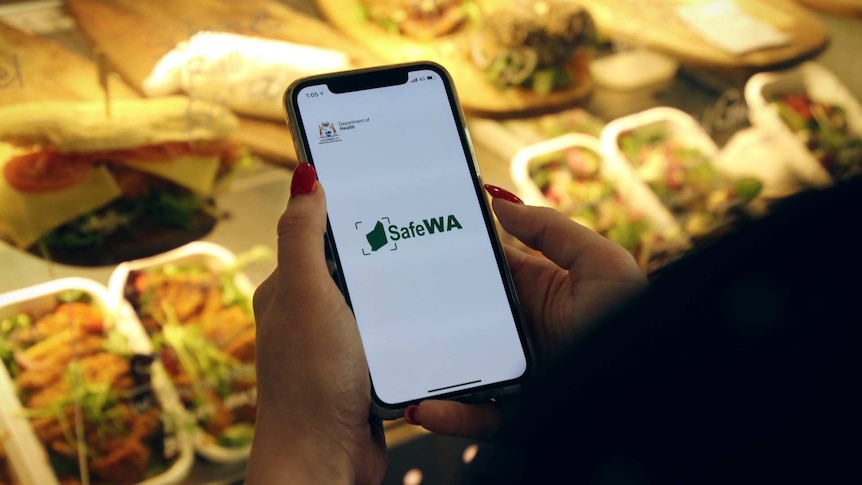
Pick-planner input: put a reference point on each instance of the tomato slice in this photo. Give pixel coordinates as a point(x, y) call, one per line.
point(163, 152)
point(45, 171)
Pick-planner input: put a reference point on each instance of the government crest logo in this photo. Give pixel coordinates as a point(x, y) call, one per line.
point(327, 132)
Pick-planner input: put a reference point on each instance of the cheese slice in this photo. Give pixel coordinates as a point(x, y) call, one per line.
point(197, 173)
point(27, 216)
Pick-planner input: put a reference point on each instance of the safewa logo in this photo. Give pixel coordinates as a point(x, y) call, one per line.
point(382, 234)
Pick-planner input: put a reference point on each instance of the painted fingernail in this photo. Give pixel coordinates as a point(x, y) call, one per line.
point(303, 179)
point(410, 414)
point(504, 194)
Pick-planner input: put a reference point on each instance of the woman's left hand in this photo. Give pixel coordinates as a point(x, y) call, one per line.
point(314, 394)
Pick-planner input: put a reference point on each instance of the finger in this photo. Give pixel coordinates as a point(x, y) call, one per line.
point(526, 271)
point(452, 418)
point(301, 230)
point(563, 241)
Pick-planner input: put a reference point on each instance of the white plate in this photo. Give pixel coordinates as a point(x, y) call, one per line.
point(25, 451)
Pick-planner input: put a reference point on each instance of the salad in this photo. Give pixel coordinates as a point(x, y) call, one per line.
point(706, 202)
point(825, 131)
point(203, 330)
point(87, 396)
point(542, 47)
point(571, 181)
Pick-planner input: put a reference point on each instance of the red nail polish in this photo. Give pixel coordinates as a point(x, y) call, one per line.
point(504, 194)
point(303, 180)
point(410, 414)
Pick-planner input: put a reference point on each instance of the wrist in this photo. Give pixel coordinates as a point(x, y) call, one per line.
point(286, 453)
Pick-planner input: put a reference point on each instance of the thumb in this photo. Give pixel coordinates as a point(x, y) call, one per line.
point(301, 229)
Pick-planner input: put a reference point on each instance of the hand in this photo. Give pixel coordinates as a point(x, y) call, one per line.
point(581, 276)
point(314, 394)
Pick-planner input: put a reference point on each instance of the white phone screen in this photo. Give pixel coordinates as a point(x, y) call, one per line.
point(412, 243)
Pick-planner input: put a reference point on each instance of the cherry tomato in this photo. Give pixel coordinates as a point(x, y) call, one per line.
point(799, 103)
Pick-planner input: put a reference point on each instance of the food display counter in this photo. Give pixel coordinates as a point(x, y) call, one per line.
point(660, 124)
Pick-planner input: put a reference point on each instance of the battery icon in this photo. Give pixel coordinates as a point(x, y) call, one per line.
point(430, 77)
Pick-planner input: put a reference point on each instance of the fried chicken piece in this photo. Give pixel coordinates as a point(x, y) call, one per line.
point(125, 464)
point(102, 368)
point(45, 362)
point(185, 295)
point(220, 416)
point(243, 347)
point(226, 326)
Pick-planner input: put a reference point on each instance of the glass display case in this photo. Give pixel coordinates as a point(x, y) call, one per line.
point(135, 132)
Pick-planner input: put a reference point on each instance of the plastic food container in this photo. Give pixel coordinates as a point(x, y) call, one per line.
point(7, 473)
point(672, 154)
point(572, 174)
point(22, 455)
point(28, 456)
point(192, 340)
point(819, 85)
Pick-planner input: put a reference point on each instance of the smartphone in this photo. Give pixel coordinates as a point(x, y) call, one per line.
point(415, 250)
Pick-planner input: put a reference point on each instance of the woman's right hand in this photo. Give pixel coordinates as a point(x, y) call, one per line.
point(578, 276)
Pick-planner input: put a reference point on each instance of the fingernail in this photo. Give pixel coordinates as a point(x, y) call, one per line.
point(303, 179)
point(410, 414)
point(504, 194)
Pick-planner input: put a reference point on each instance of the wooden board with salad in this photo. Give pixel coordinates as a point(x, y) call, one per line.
point(508, 59)
point(87, 388)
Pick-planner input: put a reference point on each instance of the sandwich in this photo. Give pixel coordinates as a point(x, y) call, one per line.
point(422, 20)
point(540, 46)
point(93, 189)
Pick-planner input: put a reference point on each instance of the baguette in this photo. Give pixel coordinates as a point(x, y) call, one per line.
point(84, 126)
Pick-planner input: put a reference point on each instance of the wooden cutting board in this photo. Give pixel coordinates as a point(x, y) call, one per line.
point(852, 8)
point(477, 95)
point(134, 35)
point(38, 69)
point(654, 24)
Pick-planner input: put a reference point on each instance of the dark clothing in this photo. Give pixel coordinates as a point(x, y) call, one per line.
point(741, 364)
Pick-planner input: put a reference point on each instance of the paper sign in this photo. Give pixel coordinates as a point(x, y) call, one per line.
point(725, 25)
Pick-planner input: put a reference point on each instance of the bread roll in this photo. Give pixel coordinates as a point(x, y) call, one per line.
point(85, 127)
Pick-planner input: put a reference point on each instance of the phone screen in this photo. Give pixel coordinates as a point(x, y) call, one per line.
point(413, 237)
